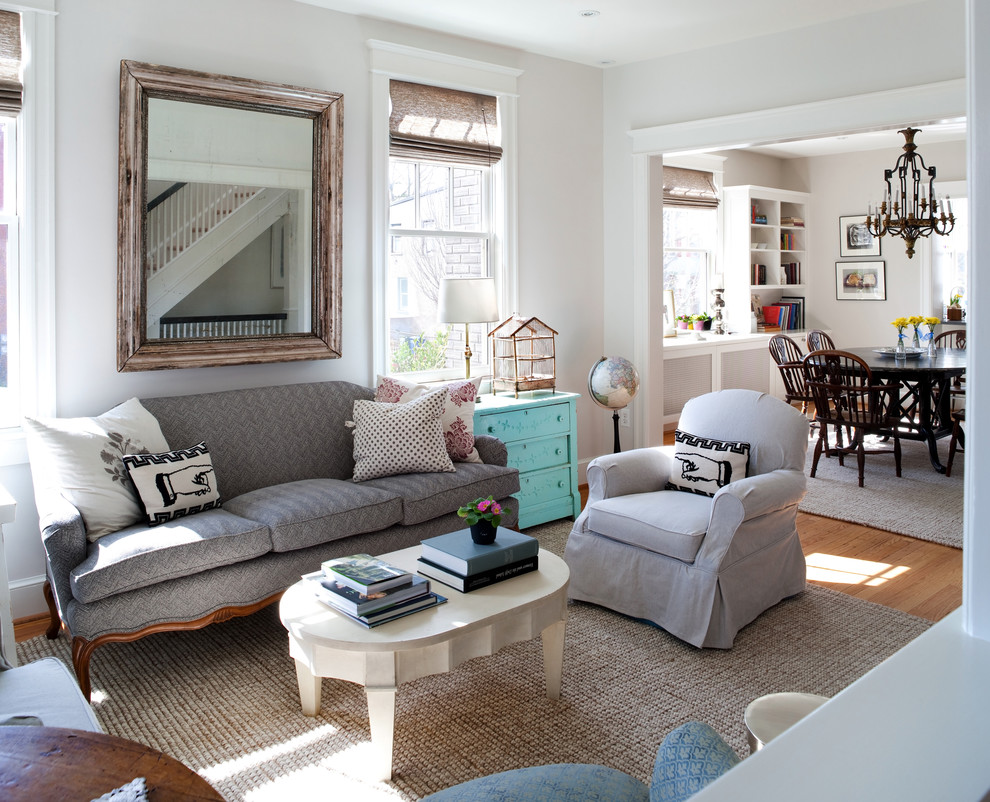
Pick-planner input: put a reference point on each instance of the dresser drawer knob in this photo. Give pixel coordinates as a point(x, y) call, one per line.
point(560, 418)
point(557, 452)
point(491, 429)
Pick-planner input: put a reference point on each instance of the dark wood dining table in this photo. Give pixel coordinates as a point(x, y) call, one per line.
point(923, 392)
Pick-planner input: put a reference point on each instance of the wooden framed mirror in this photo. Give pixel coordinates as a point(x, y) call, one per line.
point(229, 220)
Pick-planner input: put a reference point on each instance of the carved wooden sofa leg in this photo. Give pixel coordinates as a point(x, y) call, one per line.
point(54, 622)
point(82, 650)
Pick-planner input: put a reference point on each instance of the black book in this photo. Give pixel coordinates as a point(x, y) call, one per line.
point(465, 584)
point(351, 601)
point(392, 613)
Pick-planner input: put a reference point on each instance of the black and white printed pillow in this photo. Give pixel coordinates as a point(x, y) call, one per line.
point(390, 439)
point(703, 465)
point(173, 484)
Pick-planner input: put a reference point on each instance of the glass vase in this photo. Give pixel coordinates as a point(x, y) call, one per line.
point(916, 342)
point(932, 351)
point(900, 352)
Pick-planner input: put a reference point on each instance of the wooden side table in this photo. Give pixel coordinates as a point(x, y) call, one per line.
point(540, 431)
point(39, 763)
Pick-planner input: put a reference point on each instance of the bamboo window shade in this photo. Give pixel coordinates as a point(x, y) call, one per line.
point(11, 87)
point(691, 188)
point(431, 122)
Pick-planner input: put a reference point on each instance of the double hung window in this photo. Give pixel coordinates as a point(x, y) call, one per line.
point(443, 151)
point(690, 237)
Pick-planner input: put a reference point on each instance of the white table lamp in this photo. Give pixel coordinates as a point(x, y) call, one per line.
point(467, 301)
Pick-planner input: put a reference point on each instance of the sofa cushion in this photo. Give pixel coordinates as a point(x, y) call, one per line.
point(174, 483)
point(690, 757)
point(664, 522)
point(427, 496)
point(82, 457)
point(456, 418)
point(559, 782)
point(313, 511)
point(47, 690)
point(139, 556)
point(390, 439)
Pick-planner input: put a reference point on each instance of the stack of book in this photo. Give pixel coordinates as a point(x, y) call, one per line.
point(370, 591)
point(458, 561)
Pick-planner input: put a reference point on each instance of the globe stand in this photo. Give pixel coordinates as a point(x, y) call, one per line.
point(615, 425)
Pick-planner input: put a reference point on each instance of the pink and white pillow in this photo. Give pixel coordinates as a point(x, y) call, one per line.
point(457, 418)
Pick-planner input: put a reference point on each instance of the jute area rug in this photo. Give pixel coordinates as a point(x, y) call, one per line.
point(224, 699)
point(921, 503)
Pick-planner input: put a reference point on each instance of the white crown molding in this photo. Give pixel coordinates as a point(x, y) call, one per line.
point(872, 111)
point(427, 66)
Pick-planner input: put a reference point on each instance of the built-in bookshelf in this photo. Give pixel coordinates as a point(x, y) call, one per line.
point(766, 246)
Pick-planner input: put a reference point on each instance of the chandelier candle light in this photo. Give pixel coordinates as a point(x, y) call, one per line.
point(911, 211)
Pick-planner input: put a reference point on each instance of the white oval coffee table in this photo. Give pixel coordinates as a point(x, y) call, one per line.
point(433, 641)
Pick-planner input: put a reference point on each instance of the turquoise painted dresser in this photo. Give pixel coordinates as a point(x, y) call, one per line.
point(540, 430)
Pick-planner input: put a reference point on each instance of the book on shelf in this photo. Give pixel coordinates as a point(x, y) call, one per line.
point(797, 222)
point(758, 275)
point(457, 552)
point(465, 584)
point(366, 574)
point(401, 610)
point(344, 597)
point(797, 302)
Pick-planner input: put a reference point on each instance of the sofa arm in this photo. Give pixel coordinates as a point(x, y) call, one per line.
point(63, 534)
point(642, 470)
point(768, 492)
point(491, 450)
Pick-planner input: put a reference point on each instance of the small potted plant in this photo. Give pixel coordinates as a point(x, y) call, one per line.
point(483, 515)
point(684, 321)
point(954, 310)
point(702, 321)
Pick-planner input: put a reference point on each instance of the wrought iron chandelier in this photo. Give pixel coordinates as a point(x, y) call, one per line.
point(912, 211)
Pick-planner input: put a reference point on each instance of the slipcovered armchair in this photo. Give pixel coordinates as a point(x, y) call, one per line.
point(701, 567)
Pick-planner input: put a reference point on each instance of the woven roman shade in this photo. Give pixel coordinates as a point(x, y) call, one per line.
point(692, 188)
point(430, 122)
point(10, 61)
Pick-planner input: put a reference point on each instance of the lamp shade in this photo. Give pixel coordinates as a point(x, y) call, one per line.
point(467, 300)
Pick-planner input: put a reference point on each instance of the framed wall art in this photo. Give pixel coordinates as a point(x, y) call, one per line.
point(855, 238)
point(860, 281)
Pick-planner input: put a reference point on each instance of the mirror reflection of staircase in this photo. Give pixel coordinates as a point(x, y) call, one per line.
point(193, 230)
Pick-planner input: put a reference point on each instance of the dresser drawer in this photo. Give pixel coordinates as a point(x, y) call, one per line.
point(543, 486)
point(534, 455)
point(520, 424)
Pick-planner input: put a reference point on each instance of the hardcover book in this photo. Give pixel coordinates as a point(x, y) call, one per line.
point(465, 584)
point(365, 573)
point(458, 553)
point(354, 602)
point(398, 611)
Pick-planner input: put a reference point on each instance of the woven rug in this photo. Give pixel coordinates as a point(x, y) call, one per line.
point(224, 699)
point(921, 503)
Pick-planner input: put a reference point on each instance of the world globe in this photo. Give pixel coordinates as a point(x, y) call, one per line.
point(612, 382)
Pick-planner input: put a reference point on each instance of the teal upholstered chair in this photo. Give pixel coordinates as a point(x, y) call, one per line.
point(690, 757)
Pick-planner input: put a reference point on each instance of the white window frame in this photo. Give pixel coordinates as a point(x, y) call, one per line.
point(35, 299)
point(954, 189)
point(392, 61)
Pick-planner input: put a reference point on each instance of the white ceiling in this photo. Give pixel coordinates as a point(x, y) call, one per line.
point(623, 32)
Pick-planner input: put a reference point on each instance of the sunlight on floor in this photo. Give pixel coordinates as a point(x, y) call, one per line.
point(238, 765)
point(341, 772)
point(847, 571)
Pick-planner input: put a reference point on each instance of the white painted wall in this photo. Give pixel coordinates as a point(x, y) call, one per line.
point(560, 222)
point(823, 62)
point(842, 185)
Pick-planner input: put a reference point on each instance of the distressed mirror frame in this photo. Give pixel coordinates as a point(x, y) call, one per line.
point(135, 351)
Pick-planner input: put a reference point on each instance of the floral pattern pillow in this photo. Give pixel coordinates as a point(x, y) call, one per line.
point(457, 417)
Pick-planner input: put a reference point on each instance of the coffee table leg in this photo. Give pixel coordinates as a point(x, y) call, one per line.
point(381, 716)
point(553, 657)
point(310, 688)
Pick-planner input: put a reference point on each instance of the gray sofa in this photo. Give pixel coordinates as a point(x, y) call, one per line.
point(283, 463)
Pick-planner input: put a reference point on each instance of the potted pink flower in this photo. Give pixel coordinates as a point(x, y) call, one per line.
point(483, 515)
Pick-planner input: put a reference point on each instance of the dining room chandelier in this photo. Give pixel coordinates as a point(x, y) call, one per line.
point(910, 210)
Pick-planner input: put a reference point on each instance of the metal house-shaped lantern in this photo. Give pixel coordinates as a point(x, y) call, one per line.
point(523, 356)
